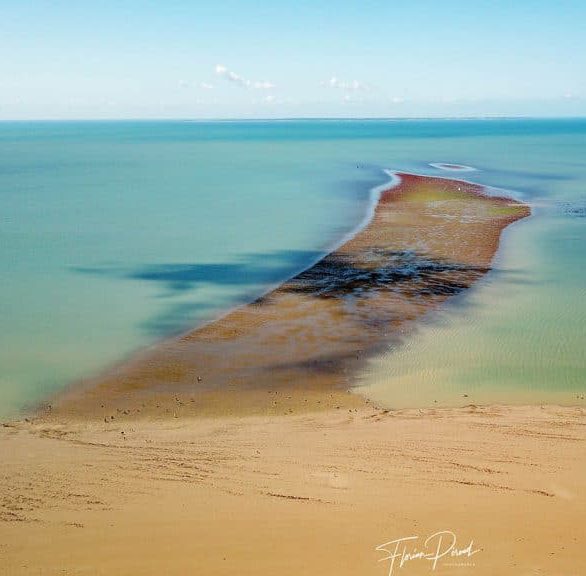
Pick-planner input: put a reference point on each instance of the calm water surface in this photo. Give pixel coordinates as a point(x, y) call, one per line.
point(114, 235)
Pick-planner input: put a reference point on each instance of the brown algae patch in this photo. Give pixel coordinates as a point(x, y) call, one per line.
point(298, 347)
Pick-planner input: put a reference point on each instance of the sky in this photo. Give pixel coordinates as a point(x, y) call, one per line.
point(76, 59)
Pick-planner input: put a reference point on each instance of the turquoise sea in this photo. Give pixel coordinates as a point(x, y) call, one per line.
point(114, 235)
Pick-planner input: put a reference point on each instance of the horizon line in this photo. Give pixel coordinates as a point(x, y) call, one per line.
point(295, 118)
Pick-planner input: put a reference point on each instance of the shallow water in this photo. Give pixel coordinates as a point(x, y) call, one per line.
point(114, 235)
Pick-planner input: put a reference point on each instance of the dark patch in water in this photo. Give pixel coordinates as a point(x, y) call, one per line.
point(575, 209)
point(177, 278)
point(323, 364)
point(406, 272)
point(336, 276)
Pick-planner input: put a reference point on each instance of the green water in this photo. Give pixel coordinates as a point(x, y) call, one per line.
point(519, 335)
point(114, 235)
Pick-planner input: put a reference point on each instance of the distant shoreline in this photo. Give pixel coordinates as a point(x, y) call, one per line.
point(301, 119)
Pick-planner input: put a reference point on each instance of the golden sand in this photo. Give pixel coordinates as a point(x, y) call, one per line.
point(311, 494)
point(238, 449)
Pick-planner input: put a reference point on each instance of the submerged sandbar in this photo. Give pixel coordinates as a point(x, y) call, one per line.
point(299, 346)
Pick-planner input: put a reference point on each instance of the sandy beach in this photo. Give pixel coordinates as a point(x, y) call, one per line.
point(307, 494)
point(241, 447)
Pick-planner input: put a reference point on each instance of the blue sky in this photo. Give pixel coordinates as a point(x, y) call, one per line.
point(283, 58)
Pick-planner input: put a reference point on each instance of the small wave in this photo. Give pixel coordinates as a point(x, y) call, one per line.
point(452, 167)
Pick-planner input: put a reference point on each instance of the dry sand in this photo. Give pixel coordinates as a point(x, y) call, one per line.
point(312, 494)
point(238, 448)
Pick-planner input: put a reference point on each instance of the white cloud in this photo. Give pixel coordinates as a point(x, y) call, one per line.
point(202, 85)
point(346, 86)
point(263, 85)
point(231, 76)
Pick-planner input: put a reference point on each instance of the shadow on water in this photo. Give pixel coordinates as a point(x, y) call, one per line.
point(250, 275)
point(344, 277)
point(177, 278)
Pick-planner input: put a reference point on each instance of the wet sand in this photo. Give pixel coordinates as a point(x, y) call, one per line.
point(239, 449)
point(299, 346)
